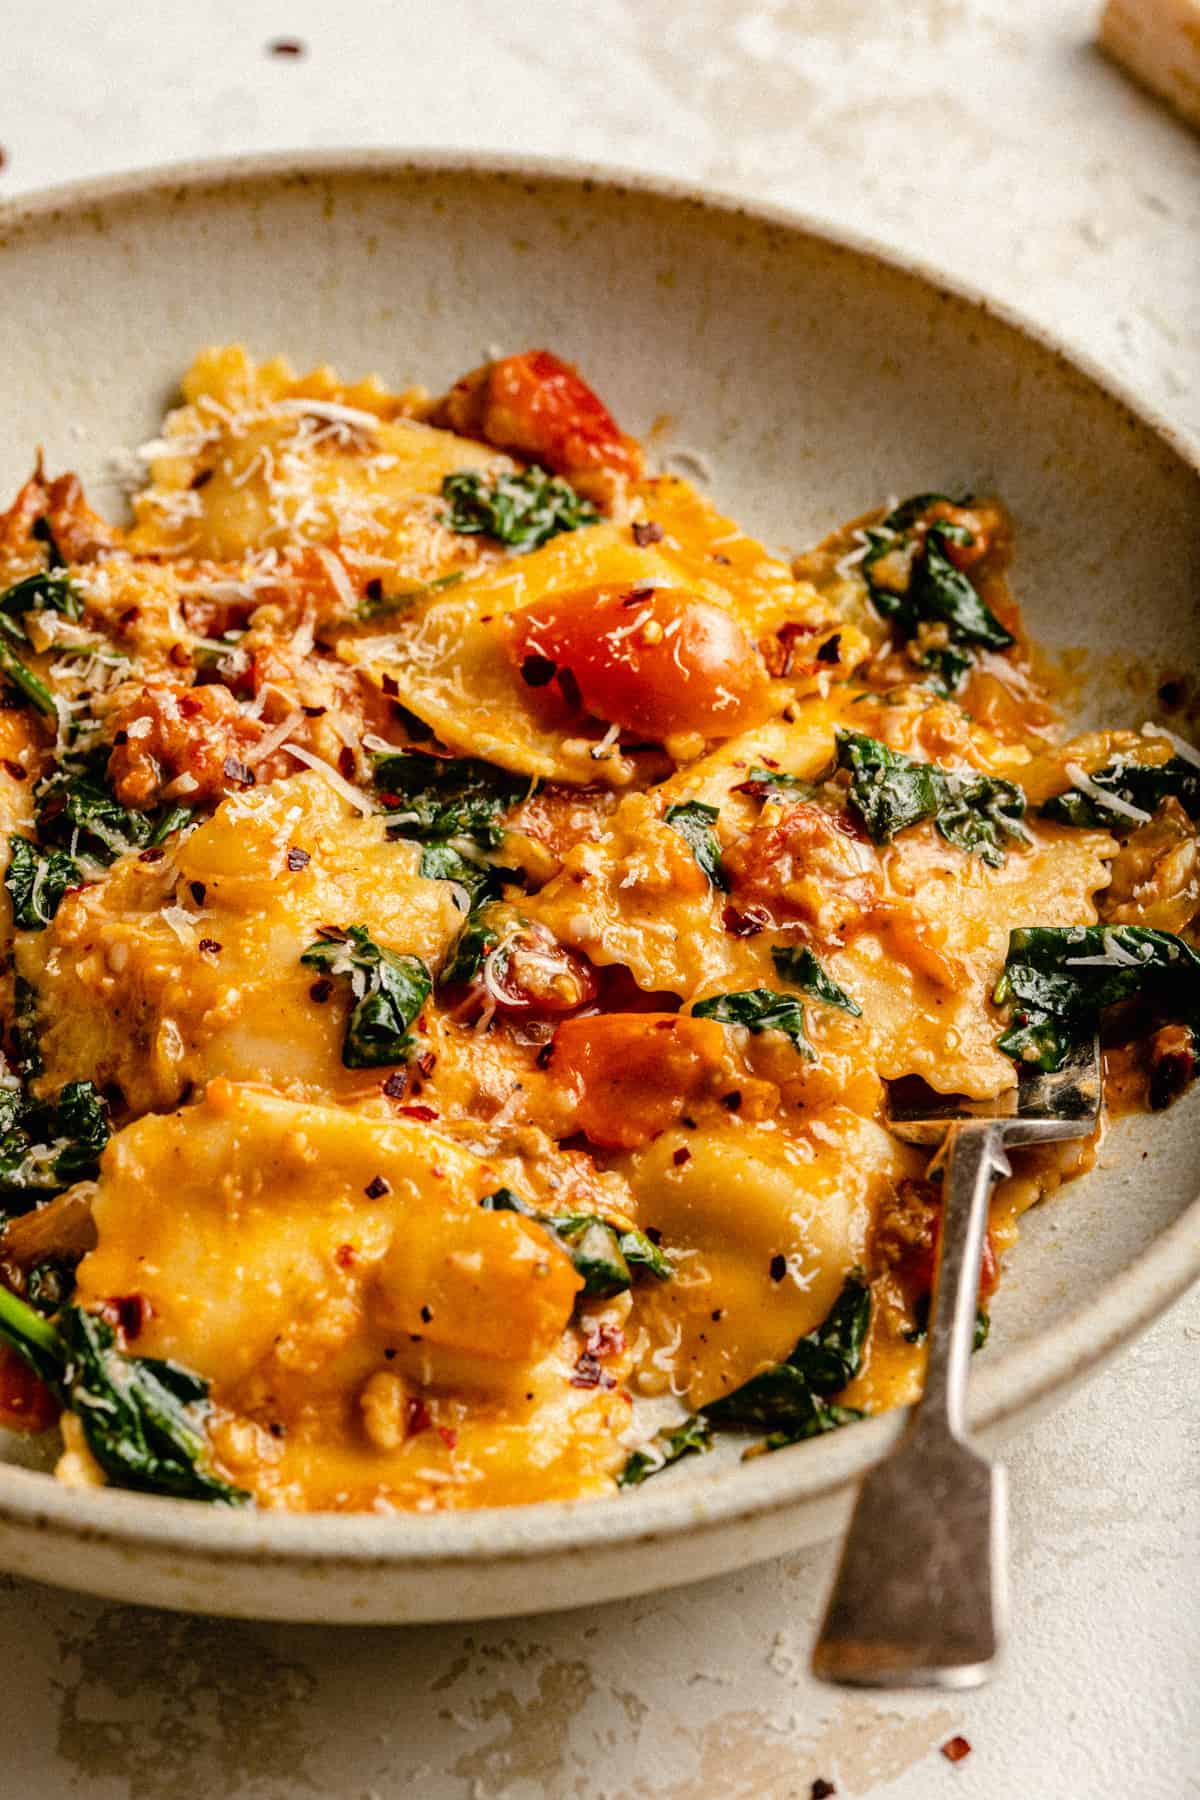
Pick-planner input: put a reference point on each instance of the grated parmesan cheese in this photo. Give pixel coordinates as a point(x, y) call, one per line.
point(354, 795)
point(1101, 797)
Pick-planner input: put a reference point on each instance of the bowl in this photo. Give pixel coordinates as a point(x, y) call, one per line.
point(813, 374)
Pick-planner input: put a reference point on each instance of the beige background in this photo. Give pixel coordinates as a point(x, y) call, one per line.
point(984, 135)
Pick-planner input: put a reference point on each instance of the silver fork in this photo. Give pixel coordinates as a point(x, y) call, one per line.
point(919, 1599)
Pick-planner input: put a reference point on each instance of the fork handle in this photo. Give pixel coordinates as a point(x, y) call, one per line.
point(918, 1599)
point(973, 1159)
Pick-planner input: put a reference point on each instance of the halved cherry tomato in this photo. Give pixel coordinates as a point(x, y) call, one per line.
point(653, 660)
point(921, 1267)
point(26, 1404)
point(540, 408)
point(634, 1074)
point(530, 972)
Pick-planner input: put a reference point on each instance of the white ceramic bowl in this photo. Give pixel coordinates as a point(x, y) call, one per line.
point(816, 375)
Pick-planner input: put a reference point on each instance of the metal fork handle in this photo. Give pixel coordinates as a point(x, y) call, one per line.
point(918, 1599)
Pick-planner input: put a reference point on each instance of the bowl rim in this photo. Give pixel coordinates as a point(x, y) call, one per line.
point(1017, 1381)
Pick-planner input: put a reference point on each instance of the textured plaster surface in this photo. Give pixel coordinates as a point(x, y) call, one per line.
point(983, 135)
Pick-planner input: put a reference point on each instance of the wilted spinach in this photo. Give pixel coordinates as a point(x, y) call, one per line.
point(607, 1256)
point(694, 821)
point(143, 1417)
point(388, 992)
point(1058, 981)
point(890, 791)
point(802, 969)
point(1145, 785)
point(668, 1446)
point(45, 1145)
point(433, 798)
point(523, 511)
point(913, 582)
point(760, 1009)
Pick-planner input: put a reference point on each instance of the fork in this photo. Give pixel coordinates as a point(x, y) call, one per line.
point(919, 1599)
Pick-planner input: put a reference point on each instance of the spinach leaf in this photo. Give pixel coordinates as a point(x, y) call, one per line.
point(889, 792)
point(48, 591)
point(22, 677)
point(376, 605)
point(388, 991)
point(913, 582)
point(36, 883)
point(1058, 981)
point(802, 969)
point(470, 947)
point(47, 1145)
point(607, 1256)
point(668, 1446)
point(522, 511)
point(143, 1418)
point(791, 1400)
point(1138, 784)
point(694, 822)
point(77, 810)
point(442, 862)
point(438, 797)
point(760, 1009)
point(773, 784)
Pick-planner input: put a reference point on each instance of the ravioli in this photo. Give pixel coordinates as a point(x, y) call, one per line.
point(466, 900)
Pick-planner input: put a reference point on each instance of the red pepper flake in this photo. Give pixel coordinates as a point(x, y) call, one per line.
point(752, 921)
point(538, 671)
point(181, 656)
point(346, 764)
point(238, 771)
point(589, 1374)
point(605, 1340)
point(377, 1187)
point(390, 686)
point(448, 1435)
point(396, 1085)
point(647, 531)
point(426, 1315)
point(955, 1748)
point(426, 1063)
point(542, 1059)
point(128, 1312)
point(297, 858)
point(294, 47)
point(15, 770)
point(153, 855)
point(374, 588)
point(277, 1428)
point(210, 946)
point(821, 1789)
point(732, 1102)
point(198, 892)
point(129, 617)
point(682, 1155)
point(425, 1113)
point(718, 1315)
point(831, 649)
point(201, 479)
point(314, 712)
point(120, 737)
point(778, 1266)
point(419, 1417)
point(343, 1256)
point(321, 990)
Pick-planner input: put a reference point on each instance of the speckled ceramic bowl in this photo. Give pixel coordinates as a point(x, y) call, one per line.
point(814, 375)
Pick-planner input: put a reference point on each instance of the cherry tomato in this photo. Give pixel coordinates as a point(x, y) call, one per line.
point(530, 972)
point(539, 407)
point(26, 1404)
point(653, 660)
point(634, 1074)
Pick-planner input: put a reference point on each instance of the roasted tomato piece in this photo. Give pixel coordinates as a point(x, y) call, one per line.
point(654, 660)
point(530, 972)
point(26, 1404)
point(540, 408)
point(803, 861)
point(634, 1074)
